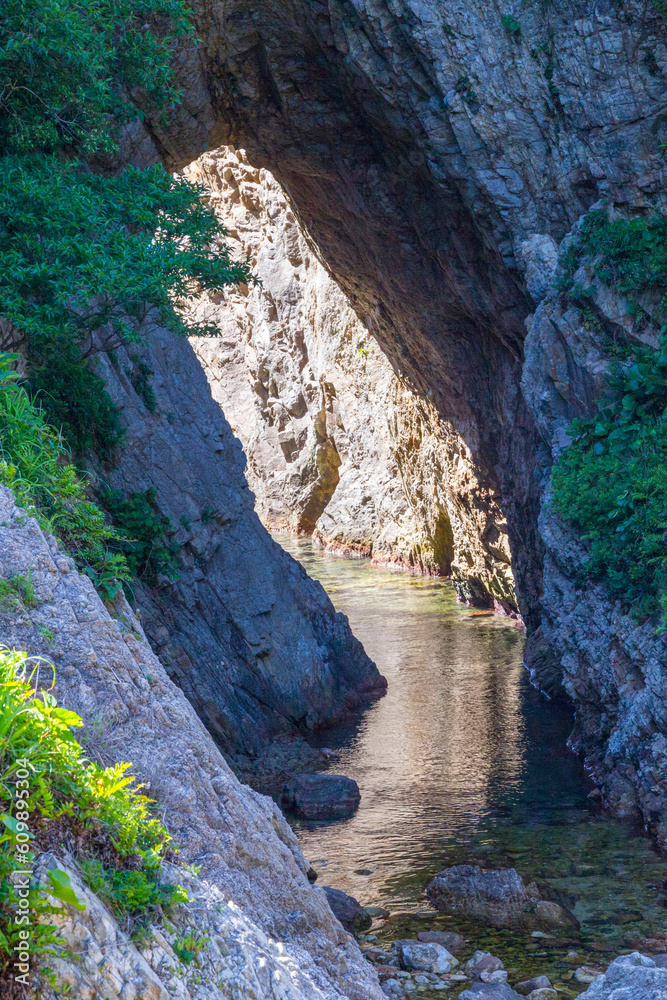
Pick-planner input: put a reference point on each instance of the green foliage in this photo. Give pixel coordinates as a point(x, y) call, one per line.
point(611, 483)
point(67, 66)
point(139, 897)
point(89, 258)
point(86, 259)
point(140, 377)
point(139, 535)
point(17, 590)
point(465, 88)
point(630, 254)
point(33, 463)
point(101, 806)
point(43, 939)
point(511, 24)
point(74, 398)
point(188, 946)
point(208, 515)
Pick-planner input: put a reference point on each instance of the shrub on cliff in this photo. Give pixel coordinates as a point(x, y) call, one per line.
point(33, 463)
point(51, 796)
point(611, 483)
point(90, 254)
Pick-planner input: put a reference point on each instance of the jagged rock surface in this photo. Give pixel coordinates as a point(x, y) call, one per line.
point(253, 642)
point(336, 443)
point(283, 939)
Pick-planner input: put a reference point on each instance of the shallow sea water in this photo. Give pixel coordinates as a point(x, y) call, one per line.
point(463, 762)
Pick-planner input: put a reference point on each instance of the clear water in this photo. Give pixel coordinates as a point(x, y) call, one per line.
point(463, 762)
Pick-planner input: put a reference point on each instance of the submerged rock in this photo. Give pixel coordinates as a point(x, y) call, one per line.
point(536, 983)
point(321, 796)
point(498, 898)
point(347, 909)
point(448, 939)
point(494, 897)
point(552, 914)
point(587, 973)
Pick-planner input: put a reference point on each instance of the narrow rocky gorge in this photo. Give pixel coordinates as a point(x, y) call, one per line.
point(407, 178)
point(438, 157)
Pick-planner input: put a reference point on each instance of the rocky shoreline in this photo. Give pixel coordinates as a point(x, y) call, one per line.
point(435, 961)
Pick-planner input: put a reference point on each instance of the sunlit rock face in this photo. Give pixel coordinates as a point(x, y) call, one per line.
point(337, 444)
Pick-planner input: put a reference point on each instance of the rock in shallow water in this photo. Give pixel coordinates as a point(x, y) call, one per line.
point(448, 939)
point(536, 983)
point(347, 909)
point(482, 965)
point(490, 991)
point(321, 796)
point(495, 897)
point(424, 956)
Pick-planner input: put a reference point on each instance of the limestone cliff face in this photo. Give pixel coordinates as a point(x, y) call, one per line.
point(268, 933)
point(253, 642)
point(433, 152)
point(337, 444)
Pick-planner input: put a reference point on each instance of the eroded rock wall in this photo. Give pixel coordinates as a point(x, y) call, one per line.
point(337, 444)
point(280, 937)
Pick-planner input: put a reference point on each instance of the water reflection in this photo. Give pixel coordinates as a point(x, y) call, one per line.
point(451, 748)
point(463, 761)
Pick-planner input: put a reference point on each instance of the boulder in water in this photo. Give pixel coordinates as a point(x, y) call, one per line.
point(550, 914)
point(536, 983)
point(630, 977)
point(347, 909)
point(482, 965)
point(321, 796)
point(494, 897)
point(418, 956)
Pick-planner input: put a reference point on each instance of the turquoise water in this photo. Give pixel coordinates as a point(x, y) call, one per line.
point(463, 762)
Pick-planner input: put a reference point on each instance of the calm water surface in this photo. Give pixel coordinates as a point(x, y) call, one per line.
point(463, 762)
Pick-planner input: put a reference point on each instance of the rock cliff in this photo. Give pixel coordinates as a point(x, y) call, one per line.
point(438, 155)
point(613, 668)
point(337, 444)
point(253, 642)
point(265, 931)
